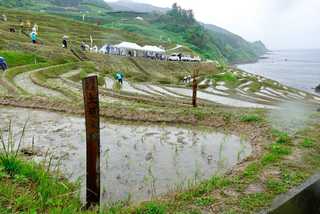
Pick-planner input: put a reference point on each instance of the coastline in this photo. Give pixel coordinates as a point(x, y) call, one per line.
point(288, 66)
point(262, 56)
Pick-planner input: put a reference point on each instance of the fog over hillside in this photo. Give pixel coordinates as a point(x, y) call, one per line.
point(283, 24)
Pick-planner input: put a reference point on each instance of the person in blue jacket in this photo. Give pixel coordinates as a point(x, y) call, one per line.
point(33, 36)
point(119, 77)
point(3, 64)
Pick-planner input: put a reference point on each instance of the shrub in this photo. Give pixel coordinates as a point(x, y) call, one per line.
point(250, 118)
point(280, 150)
point(204, 201)
point(307, 143)
point(152, 208)
point(83, 74)
point(282, 137)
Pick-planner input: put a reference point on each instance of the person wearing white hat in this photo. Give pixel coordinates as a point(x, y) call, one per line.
point(65, 42)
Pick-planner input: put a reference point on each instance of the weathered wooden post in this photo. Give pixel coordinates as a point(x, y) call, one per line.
point(91, 104)
point(194, 86)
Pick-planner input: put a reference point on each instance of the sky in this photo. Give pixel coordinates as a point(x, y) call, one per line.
point(280, 24)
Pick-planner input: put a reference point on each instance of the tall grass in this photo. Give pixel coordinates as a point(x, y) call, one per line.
point(33, 188)
point(10, 149)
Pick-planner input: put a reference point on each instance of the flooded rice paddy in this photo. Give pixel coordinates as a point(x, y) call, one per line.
point(138, 162)
point(23, 81)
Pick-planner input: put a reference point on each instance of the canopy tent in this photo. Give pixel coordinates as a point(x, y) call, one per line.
point(133, 49)
point(153, 49)
point(129, 45)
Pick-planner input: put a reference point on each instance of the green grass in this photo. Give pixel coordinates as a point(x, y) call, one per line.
point(152, 208)
point(230, 79)
point(33, 189)
point(255, 86)
point(254, 201)
point(18, 58)
point(252, 171)
point(277, 186)
point(307, 143)
point(282, 137)
point(204, 201)
point(29, 187)
point(251, 118)
point(204, 188)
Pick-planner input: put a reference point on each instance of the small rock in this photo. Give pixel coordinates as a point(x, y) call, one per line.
point(31, 151)
point(230, 193)
point(254, 188)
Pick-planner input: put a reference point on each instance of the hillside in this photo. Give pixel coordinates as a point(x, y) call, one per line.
point(180, 27)
point(233, 46)
point(59, 6)
point(169, 29)
point(128, 5)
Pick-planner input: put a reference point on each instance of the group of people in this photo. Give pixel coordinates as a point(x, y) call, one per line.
point(34, 33)
point(187, 79)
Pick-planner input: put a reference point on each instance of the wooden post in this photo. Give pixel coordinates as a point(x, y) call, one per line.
point(194, 88)
point(91, 104)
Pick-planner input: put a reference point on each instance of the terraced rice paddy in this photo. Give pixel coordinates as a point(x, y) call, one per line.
point(38, 82)
point(138, 161)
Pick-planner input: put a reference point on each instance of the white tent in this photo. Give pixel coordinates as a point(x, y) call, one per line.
point(139, 18)
point(154, 49)
point(128, 45)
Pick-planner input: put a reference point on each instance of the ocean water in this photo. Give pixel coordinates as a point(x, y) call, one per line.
point(296, 68)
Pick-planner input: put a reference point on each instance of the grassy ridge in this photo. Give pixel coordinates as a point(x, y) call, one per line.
point(18, 58)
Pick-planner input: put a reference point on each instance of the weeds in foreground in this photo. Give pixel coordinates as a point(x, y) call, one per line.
point(28, 187)
point(152, 208)
point(10, 149)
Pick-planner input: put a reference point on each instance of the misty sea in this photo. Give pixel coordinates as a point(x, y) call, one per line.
point(296, 68)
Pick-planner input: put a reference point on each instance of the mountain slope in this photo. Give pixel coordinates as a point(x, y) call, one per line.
point(233, 46)
point(175, 27)
point(209, 40)
point(127, 5)
point(88, 6)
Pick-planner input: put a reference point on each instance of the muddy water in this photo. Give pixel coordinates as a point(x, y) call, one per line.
point(219, 99)
point(124, 87)
point(23, 80)
point(138, 161)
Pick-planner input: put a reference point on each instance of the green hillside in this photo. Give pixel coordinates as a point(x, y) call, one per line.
point(177, 26)
point(59, 6)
